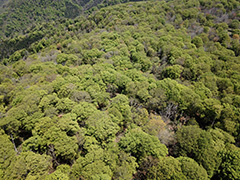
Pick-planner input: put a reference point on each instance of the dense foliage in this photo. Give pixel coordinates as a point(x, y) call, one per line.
point(18, 16)
point(138, 90)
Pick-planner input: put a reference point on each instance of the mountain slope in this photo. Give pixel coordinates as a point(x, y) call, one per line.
point(18, 15)
point(140, 90)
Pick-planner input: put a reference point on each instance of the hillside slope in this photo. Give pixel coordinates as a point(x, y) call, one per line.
point(19, 18)
point(19, 15)
point(140, 90)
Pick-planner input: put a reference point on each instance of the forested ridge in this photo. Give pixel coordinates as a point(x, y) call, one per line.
point(107, 90)
point(18, 16)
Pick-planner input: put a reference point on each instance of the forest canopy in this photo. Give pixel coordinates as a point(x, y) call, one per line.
point(119, 90)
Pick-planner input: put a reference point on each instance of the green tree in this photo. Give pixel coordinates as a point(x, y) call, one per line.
point(64, 105)
point(141, 144)
point(101, 126)
point(167, 168)
point(83, 110)
point(66, 58)
point(126, 166)
point(172, 72)
point(7, 153)
point(92, 166)
point(229, 167)
point(191, 169)
point(120, 109)
point(197, 41)
point(29, 165)
point(13, 121)
point(199, 145)
point(57, 175)
point(59, 145)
